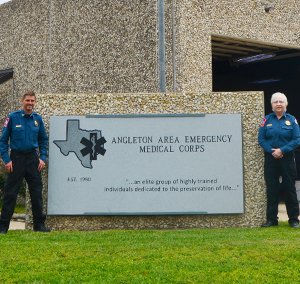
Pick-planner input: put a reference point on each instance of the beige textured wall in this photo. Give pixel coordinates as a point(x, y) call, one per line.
point(5, 107)
point(112, 46)
point(96, 46)
point(196, 20)
point(24, 43)
point(7, 102)
point(249, 104)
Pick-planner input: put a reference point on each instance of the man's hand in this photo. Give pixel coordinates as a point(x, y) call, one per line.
point(9, 167)
point(277, 154)
point(41, 165)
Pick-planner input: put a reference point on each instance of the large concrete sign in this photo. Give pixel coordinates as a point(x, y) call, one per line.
point(145, 164)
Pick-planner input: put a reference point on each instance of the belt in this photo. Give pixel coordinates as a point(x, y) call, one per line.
point(24, 152)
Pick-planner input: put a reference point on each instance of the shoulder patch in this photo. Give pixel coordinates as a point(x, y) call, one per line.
point(6, 122)
point(296, 121)
point(263, 122)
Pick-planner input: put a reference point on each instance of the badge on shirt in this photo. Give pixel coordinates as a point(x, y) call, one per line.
point(18, 125)
point(6, 122)
point(269, 124)
point(36, 123)
point(263, 122)
point(288, 123)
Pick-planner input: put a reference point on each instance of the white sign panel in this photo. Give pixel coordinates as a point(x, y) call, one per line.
point(140, 165)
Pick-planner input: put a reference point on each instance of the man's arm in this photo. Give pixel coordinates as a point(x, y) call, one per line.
point(9, 167)
point(4, 140)
point(43, 142)
point(41, 165)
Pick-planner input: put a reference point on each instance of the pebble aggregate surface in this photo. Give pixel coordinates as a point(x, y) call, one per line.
point(249, 104)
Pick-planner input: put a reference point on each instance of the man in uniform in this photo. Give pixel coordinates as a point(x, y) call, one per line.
point(279, 135)
point(26, 132)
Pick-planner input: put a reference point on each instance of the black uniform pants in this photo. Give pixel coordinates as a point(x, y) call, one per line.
point(24, 166)
point(286, 168)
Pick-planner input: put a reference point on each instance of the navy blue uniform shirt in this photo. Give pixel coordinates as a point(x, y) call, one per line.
point(26, 132)
point(283, 133)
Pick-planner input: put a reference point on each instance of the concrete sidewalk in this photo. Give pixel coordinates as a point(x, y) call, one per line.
point(16, 225)
point(281, 214)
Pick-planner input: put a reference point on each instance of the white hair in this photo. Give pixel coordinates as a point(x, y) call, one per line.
point(279, 94)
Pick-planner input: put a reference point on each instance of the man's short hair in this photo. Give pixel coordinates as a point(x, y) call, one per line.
point(28, 93)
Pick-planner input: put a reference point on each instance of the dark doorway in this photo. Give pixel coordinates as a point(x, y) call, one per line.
point(281, 75)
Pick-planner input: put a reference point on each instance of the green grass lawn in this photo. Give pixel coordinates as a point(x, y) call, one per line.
point(19, 208)
point(270, 255)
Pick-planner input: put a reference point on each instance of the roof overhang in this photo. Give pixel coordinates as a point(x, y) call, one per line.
point(234, 49)
point(5, 75)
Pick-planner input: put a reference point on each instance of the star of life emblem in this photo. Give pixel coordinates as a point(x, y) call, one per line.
point(86, 144)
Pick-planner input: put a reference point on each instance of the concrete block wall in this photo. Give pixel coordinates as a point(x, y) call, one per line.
point(249, 104)
point(83, 47)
